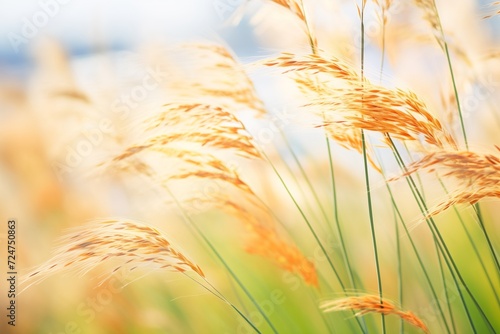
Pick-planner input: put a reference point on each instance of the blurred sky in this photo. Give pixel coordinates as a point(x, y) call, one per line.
point(94, 25)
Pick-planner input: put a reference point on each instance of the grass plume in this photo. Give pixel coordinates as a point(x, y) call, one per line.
point(129, 245)
point(372, 304)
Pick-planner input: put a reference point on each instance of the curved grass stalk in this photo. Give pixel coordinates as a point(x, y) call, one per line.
point(188, 219)
point(419, 199)
point(477, 209)
point(337, 219)
point(323, 211)
point(311, 229)
point(442, 245)
point(365, 163)
point(419, 259)
point(306, 178)
point(219, 295)
point(476, 206)
point(308, 223)
point(330, 161)
point(440, 263)
point(476, 251)
point(332, 175)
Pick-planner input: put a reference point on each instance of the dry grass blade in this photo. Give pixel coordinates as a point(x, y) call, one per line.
point(203, 124)
point(430, 12)
point(205, 166)
point(267, 243)
point(494, 10)
point(297, 8)
point(293, 6)
point(384, 6)
point(478, 175)
point(186, 164)
point(372, 304)
point(399, 113)
point(345, 135)
point(214, 76)
point(313, 64)
point(127, 244)
point(336, 92)
point(264, 239)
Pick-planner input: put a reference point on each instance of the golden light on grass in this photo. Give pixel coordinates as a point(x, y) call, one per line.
point(362, 305)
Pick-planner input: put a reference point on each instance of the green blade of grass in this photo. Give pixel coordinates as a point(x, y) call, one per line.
point(189, 220)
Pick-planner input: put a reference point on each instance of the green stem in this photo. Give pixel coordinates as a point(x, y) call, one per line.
point(443, 281)
point(452, 74)
point(442, 245)
point(367, 177)
point(188, 219)
point(419, 259)
point(395, 212)
point(479, 214)
point(400, 268)
point(219, 295)
point(473, 244)
point(462, 124)
point(308, 28)
point(372, 225)
point(336, 217)
point(311, 229)
point(306, 178)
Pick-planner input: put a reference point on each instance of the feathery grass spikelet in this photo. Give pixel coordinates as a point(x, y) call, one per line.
point(267, 243)
point(359, 104)
point(264, 240)
point(129, 243)
point(430, 13)
point(478, 175)
point(216, 79)
point(293, 6)
point(297, 8)
point(263, 237)
point(494, 10)
point(372, 304)
point(204, 124)
point(399, 113)
point(181, 125)
point(384, 6)
point(313, 64)
point(208, 167)
point(347, 136)
point(183, 128)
